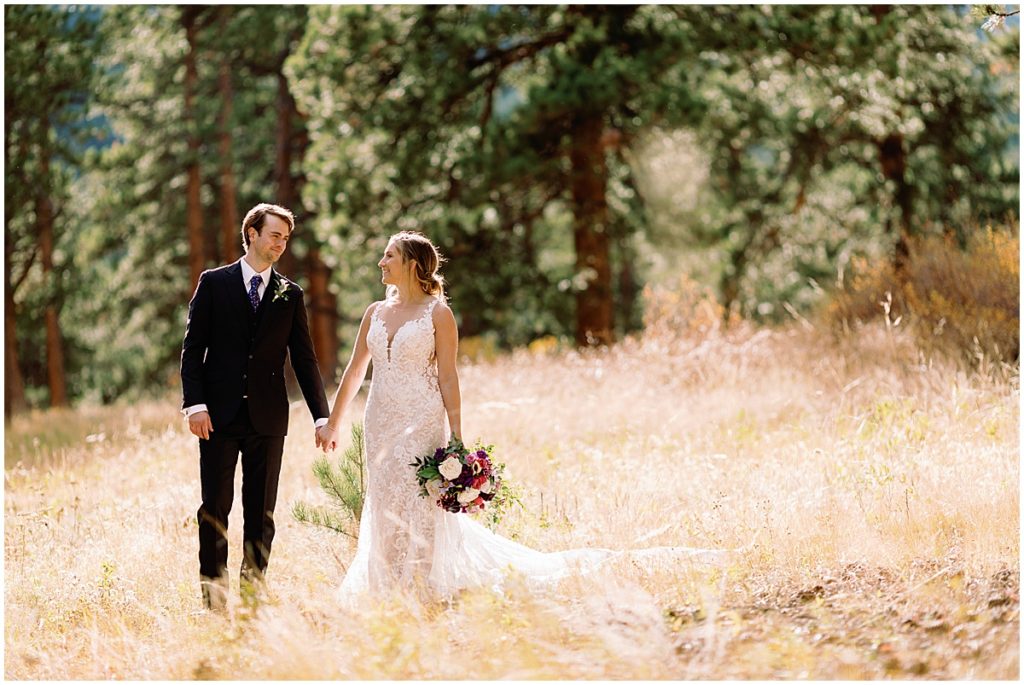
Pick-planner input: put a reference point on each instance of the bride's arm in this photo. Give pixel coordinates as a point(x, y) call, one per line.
point(351, 380)
point(446, 345)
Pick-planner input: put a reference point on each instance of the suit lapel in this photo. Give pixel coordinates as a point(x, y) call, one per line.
point(236, 290)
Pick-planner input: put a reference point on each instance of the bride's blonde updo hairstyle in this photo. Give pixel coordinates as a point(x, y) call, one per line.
point(416, 247)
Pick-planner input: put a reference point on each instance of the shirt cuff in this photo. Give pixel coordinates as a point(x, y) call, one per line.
point(320, 422)
point(194, 409)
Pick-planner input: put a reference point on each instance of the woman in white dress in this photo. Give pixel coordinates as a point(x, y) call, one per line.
point(414, 406)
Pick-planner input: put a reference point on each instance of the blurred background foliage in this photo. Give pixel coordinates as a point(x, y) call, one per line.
point(587, 170)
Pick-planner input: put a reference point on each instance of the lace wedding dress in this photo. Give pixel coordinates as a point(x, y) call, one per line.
point(407, 541)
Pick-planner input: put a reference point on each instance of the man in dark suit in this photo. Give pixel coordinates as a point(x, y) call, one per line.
point(242, 321)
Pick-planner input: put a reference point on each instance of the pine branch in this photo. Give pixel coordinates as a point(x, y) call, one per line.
point(325, 475)
point(17, 281)
point(492, 85)
point(519, 52)
point(317, 516)
point(344, 484)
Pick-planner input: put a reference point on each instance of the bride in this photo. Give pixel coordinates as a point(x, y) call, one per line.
point(414, 407)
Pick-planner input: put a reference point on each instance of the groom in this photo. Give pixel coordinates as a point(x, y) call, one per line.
point(242, 321)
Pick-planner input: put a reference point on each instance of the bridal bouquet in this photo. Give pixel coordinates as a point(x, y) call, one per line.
point(458, 479)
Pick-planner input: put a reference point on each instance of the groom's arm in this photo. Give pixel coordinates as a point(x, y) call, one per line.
point(197, 336)
point(304, 363)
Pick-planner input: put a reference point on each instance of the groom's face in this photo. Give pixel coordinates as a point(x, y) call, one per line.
point(270, 243)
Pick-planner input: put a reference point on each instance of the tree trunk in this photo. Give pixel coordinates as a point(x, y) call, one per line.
point(193, 208)
point(628, 287)
point(285, 195)
point(323, 305)
point(729, 283)
point(323, 315)
point(54, 348)
point(283, 182)
point(229, 222)
point(893, 160)
point(14, 381)
point(590, 233)
point(739, 255)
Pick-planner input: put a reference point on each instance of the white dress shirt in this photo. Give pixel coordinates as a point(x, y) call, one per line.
point(247, 273)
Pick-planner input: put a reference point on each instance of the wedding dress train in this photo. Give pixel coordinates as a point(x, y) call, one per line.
point(407, 541)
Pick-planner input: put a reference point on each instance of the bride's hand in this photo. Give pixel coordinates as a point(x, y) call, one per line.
point(325, 437)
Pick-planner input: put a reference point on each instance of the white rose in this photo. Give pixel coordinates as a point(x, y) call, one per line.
point(486, 487)
point(450, 468)
point(468, 495)
point(433, 489)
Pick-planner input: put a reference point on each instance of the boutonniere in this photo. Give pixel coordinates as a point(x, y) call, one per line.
point(282, 288)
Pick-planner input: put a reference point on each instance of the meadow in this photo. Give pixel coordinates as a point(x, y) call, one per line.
point(871, 495)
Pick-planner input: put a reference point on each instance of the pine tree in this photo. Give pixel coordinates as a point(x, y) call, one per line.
point(345, 485)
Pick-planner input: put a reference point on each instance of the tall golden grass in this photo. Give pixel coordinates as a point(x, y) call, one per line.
point(874, 493)
point(963, 302)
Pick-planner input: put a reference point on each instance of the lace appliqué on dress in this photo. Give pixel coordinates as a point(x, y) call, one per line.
point(404, 419)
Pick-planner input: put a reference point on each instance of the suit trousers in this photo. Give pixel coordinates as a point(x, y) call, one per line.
point(261, 471)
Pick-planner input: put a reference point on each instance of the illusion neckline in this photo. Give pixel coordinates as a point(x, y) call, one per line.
point(390, 339)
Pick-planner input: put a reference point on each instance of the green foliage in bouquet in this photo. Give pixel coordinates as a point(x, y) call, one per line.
point(345, 484)
point(507, 496)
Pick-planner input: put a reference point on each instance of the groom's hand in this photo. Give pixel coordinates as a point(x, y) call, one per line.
point(200, 425)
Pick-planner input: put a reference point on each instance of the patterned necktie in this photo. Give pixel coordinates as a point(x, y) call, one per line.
point(254, 291)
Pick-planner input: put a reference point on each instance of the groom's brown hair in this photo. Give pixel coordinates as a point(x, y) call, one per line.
point(256, 217)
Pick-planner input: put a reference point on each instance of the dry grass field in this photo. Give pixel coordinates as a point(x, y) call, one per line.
point(874, 497)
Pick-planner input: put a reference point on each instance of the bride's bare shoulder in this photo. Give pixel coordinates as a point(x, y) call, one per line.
point(442, 313)
point(442, 307)
point(372, 308)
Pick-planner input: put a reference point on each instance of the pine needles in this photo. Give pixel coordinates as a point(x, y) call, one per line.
point(345, 484)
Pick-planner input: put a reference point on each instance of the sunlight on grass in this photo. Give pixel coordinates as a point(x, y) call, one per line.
point(873, 497)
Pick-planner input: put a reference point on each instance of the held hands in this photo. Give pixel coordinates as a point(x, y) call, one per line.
point(326, 438)
point(200, 425)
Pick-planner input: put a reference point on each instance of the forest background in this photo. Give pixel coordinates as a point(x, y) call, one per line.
point(567, 161)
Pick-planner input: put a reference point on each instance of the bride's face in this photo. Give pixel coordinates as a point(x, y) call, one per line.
point(392, 267)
